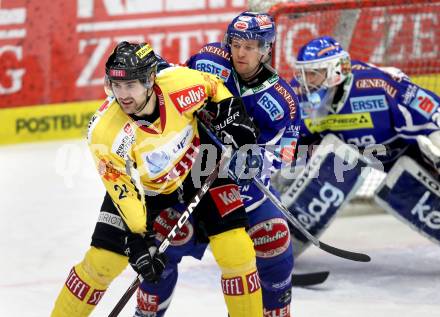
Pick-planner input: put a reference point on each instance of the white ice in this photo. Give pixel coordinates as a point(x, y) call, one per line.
point(50, 195)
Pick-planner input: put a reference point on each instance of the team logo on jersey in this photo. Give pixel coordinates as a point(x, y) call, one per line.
point(208, 66)
point(424, 104)
point(157, 161)
point(226, 198)
point(288, 149)
point(409, 94)
point(271, 106)
point(291, 101)
point(166, 221)
point(187, 98)
point(293, 130)
point(340, 122)
point(371, 83)
point(123, 141)
point(167, 156)
point(271, 237)
point(107, 170)
point(369, 103)
point(215, 50)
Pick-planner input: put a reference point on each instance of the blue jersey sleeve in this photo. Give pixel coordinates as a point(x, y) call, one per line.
point(416, 110)
point(214, 59)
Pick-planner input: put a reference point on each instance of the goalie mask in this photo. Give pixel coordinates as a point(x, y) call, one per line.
point(131, 61)
point(322, 63)
point(252, 26)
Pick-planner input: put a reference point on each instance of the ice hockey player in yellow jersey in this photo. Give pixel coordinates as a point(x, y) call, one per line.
point(145, 142)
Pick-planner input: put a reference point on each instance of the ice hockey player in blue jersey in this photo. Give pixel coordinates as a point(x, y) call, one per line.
point(393, 123)
point(242, 62)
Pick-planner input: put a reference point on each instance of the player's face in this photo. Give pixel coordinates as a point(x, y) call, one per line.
point(246, 56)
point(315, 78)
point(130, 94)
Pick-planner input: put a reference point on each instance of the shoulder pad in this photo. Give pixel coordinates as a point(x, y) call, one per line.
point(105, 105)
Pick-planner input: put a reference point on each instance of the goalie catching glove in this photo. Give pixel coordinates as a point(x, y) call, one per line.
point(144, 257)
point(230, 122)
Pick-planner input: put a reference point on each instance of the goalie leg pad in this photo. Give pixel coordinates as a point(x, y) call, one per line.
point(412, 194)
point(234, 252)
point(331, 176)
point(87, 283)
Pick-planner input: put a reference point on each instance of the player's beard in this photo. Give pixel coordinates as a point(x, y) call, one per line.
point(142, 106)
point(137, 107)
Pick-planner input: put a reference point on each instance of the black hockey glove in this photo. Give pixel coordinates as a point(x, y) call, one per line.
point(245, 165)
point(144, 257)
point(231, 123)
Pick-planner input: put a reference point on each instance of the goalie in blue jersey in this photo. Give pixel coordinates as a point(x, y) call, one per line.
point(390, 122)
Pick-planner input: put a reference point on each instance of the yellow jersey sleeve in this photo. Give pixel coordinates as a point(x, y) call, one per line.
point(193, 91)
point(113, 164)
point(215, 88)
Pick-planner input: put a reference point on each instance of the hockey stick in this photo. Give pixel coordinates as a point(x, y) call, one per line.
point(173, 232)
point(309, 279)
point(349, 255)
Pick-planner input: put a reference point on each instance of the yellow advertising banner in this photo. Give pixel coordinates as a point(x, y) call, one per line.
point(46, 122)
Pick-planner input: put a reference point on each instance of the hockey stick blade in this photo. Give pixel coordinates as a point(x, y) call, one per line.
point(350, 255)
point(309, 279)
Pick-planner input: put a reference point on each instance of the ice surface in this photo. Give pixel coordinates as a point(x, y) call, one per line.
point(50, 197)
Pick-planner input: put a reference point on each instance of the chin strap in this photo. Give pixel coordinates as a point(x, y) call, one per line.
point(145, 104)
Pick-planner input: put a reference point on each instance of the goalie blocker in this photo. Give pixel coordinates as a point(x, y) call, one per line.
point(411, 194)
point(322, 187)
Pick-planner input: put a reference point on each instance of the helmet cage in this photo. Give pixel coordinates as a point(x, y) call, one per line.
point(337, 68)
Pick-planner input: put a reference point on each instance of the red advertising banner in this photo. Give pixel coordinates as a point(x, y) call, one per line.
point(54, 51)
point(400, 33)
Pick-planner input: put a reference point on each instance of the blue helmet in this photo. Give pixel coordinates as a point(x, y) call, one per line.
point(252, 26)
point(323, 55)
